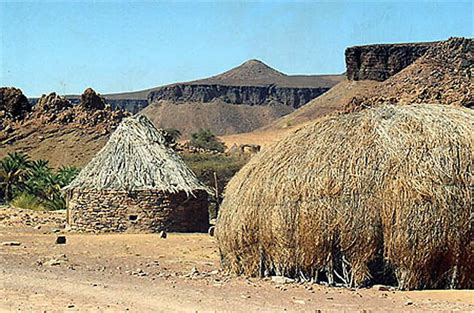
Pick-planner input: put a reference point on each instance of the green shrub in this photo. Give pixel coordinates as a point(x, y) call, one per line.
point(205, 139)
point(27, 201)
point(31, 184)
point(204, 165)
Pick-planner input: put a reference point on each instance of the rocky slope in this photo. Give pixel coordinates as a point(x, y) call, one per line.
point(59, 131)
point(239, 100)
point(443, 74)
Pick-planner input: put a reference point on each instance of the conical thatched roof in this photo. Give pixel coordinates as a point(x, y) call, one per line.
point(381, 195)
point(136, 158)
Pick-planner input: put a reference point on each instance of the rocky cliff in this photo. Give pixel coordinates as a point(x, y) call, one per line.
point(248, 95)
point(379, 62)
point(130, 105)
point(443, 75)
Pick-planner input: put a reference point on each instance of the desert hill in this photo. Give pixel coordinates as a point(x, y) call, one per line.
point(250, 73)
point(256, 73)
point(242, 99)
point(434, 72)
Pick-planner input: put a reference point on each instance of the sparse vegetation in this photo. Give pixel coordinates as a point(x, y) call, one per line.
point(33, 184)
point(204, 165)
point(205, 139)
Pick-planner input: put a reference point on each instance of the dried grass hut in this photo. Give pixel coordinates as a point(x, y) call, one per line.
point(383, 195)
point(137, 183)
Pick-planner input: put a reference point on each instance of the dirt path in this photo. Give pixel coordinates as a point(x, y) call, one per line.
point(143, 273)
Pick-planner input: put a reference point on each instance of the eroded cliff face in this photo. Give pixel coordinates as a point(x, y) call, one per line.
point(379, 62)
point(130, 105)
point(248, 95)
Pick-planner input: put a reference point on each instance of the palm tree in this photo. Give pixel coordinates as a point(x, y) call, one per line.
point(66, 174)
point(13, 174)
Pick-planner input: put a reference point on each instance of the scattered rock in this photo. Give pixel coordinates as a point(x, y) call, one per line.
point(53, 262)
point(211, 231)
point(139, 272)
point(61, 240)
point(163, 234)
point(409, 302)
point(11, 243)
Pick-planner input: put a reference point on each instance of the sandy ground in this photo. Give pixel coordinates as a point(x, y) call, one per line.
point(144, 273)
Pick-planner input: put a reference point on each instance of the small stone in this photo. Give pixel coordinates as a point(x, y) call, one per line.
point(409, 302)
point(11, 243)
point(163, 234)
point(55, 230)
point(53, 262)
point(70, 306)
point(37, 227)
point(211, 231)
point(299, 301)
point(60, 240)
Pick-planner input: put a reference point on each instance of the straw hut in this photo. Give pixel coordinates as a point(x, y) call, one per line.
point(137, 183)
point(383, 195)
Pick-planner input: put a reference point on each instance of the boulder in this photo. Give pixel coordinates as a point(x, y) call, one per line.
point(13, 103)
point(90, 100)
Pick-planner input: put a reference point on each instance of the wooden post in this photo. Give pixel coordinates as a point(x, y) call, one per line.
point(216, 187)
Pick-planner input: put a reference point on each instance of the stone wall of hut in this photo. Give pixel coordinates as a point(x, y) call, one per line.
point(138, 211)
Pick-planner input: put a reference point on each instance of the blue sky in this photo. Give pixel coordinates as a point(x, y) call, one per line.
point(123, 46)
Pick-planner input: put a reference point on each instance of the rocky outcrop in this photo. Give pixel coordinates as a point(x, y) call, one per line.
point(249, 95)
point(90, 111)
point(379, 62)
point(52, 103)
point(90, 100)
point(13, 104)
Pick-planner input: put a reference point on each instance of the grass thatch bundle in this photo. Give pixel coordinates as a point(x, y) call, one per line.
point(136, 157)
point(381, 195)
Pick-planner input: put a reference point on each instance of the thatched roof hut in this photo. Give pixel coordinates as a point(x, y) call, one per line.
point(381, 195)
point(137, 182)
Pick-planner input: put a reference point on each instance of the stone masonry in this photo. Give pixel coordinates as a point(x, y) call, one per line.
point(138, 211)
